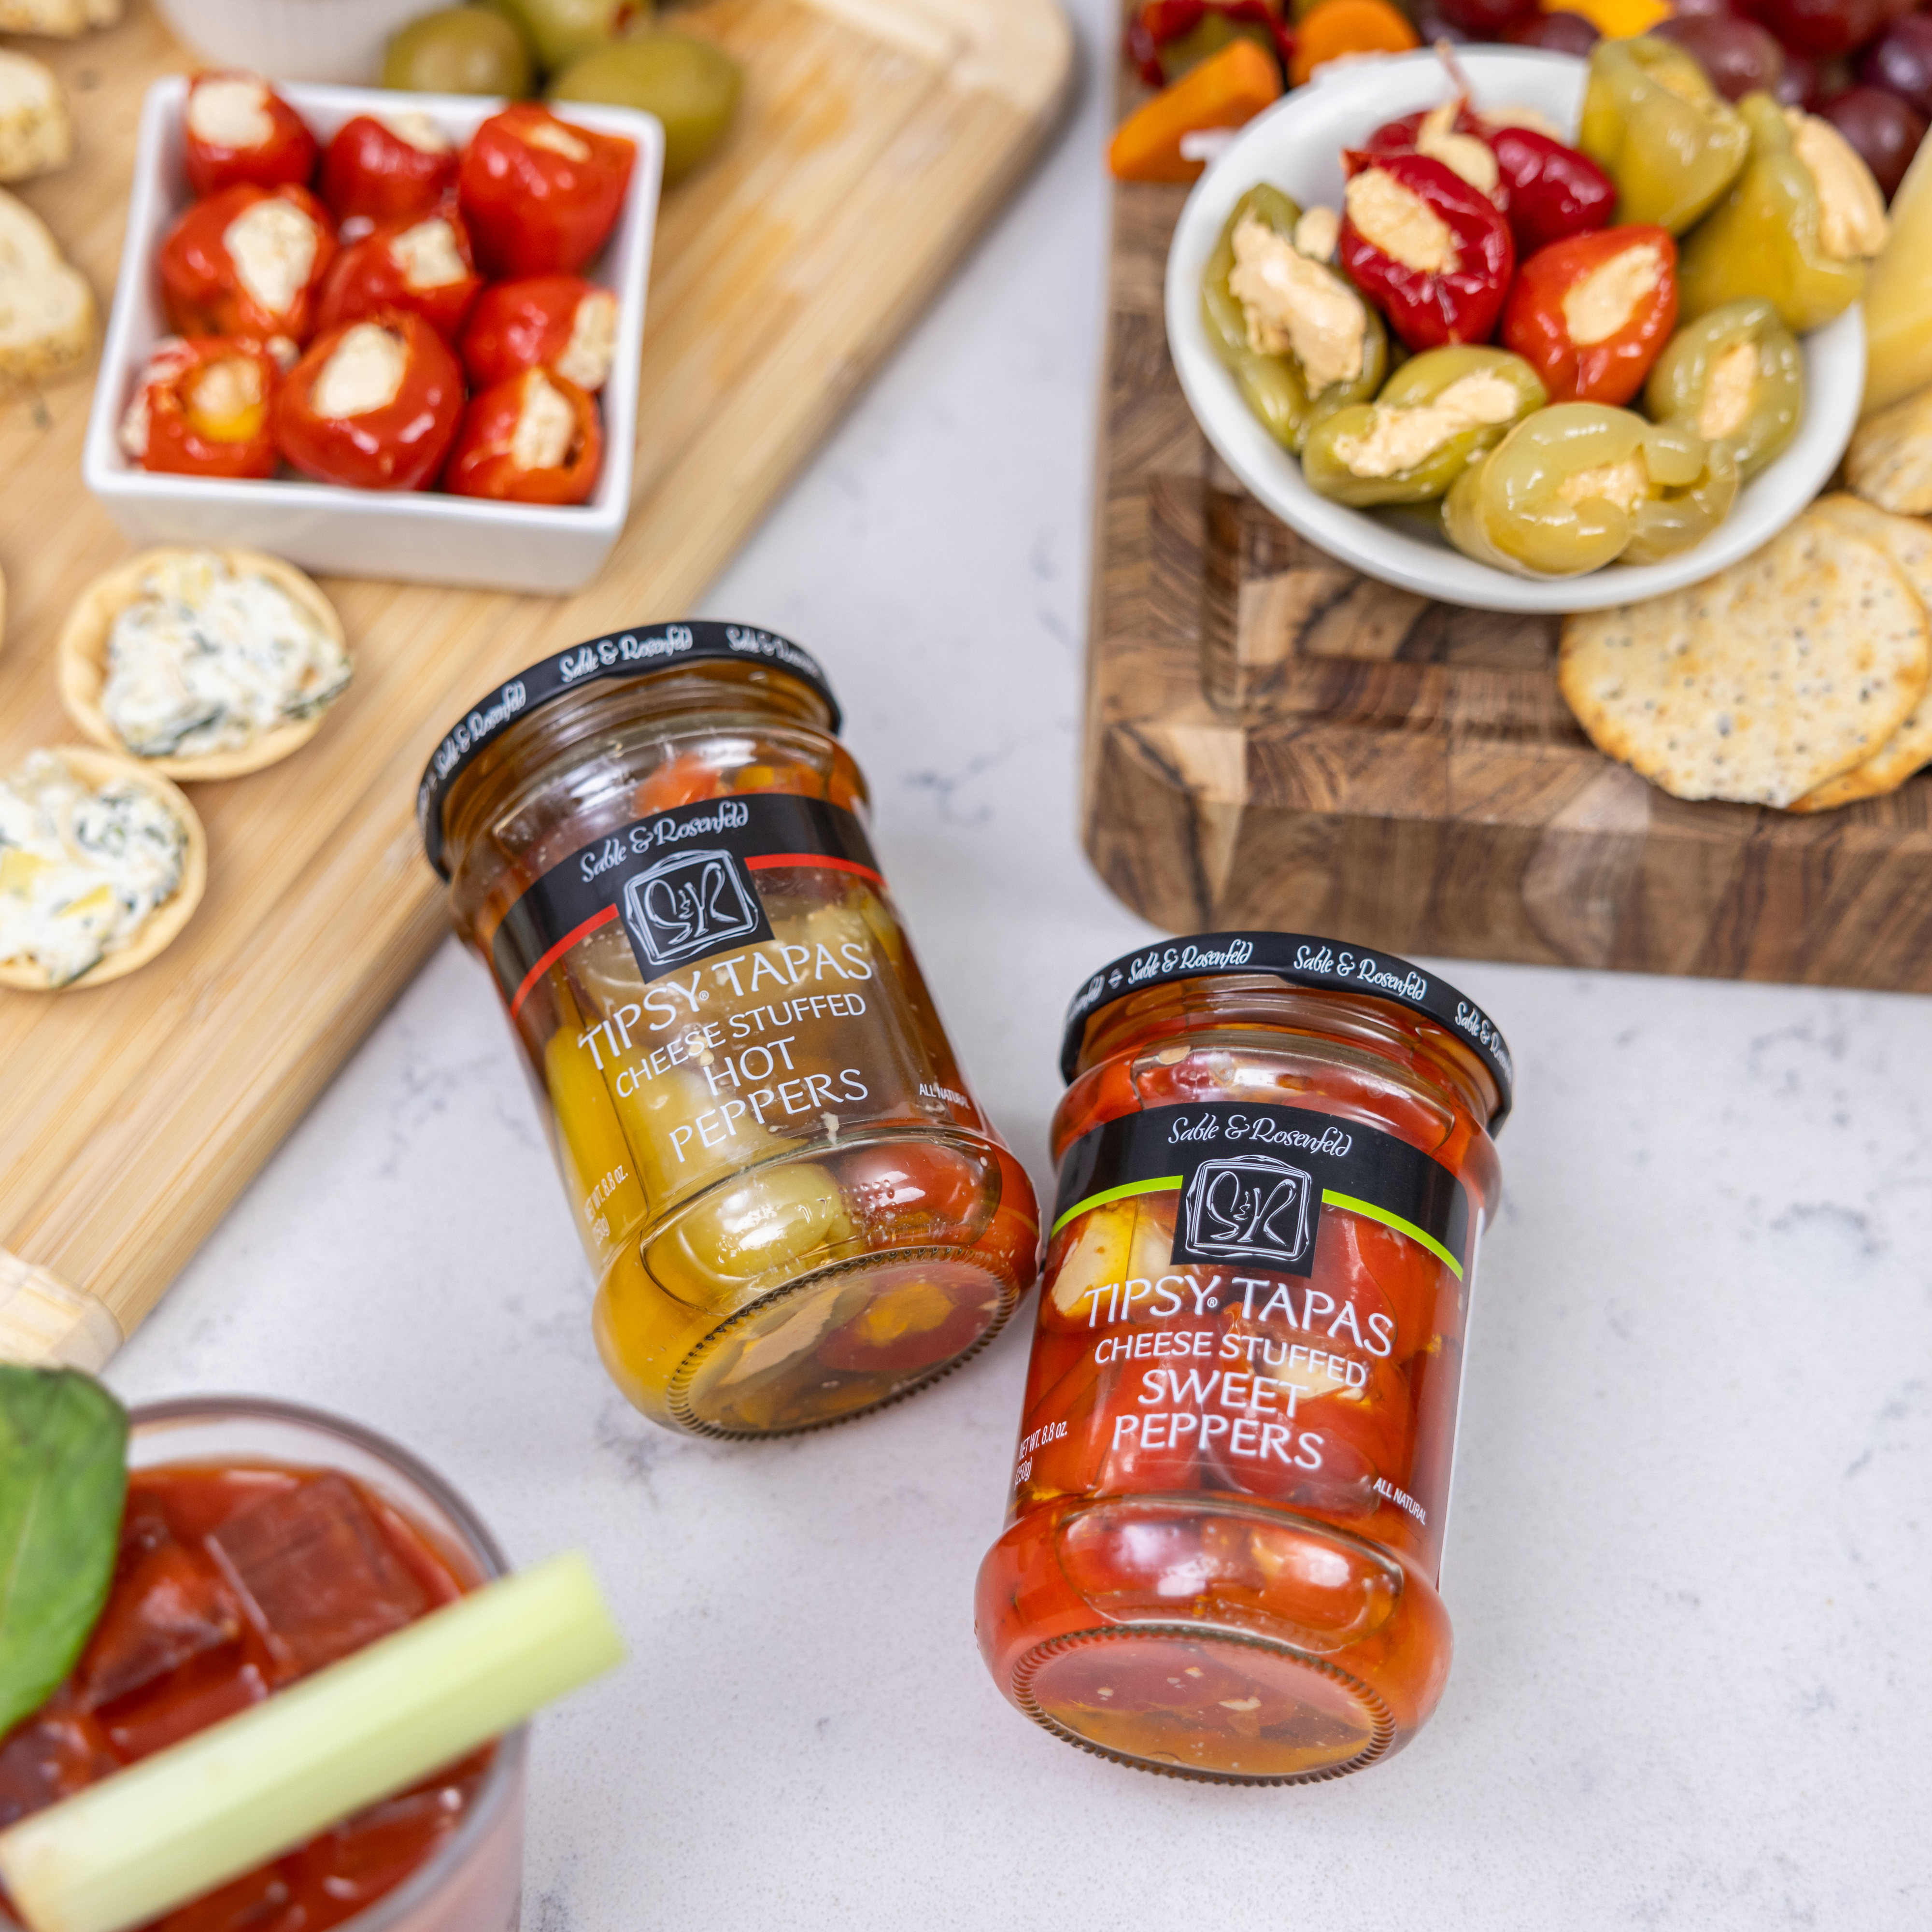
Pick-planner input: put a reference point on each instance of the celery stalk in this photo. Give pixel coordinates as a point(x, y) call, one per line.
point(206, 1809)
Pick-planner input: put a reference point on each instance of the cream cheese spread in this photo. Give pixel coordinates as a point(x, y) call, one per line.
point(418, 131)
point(207, 660)
point(586, 360)
point(1318, 233)
point(1290, 302)
point(230, 111)
point(1596, 307)
point(546, 426)
point(1852, 220)
point(363, 373)
point(1465, 154)
point(1730, 390)
point(558, 139)
point(272, 243)
point(1398, 221)
point(1402, 435)
point(81, 870)
point(1624, 484)
point(429, 255)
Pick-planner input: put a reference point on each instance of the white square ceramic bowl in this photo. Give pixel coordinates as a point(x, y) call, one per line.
point(419, 534)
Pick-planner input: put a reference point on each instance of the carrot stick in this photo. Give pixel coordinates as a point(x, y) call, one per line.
point(1225, 90)
point(1339, 27)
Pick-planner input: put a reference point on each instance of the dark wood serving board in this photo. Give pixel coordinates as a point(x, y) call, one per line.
point(1274, 740)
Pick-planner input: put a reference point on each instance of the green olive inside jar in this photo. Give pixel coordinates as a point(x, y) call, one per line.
point(793, 1207)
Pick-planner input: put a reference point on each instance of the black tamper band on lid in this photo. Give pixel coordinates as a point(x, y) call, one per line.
point(1296, 959)
point(636, 653)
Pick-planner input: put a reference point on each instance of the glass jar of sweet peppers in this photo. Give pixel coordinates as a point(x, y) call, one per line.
point(1226, 1527)
point(793, 1207)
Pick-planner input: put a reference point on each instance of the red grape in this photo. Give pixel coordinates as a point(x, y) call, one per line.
point(1698, 10)
point(1739, 56)
point(1821, 80)
point(1801, 86)
point(1485, 20)
point(1881, 127)
point(1822, 27)
point(1901, 62)
point(1431, 25)
point(1561, 32)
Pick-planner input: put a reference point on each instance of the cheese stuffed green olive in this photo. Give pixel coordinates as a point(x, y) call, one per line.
point(1734, 377)
point(1434, 414)
point(1582, 485)
point(1300, 342)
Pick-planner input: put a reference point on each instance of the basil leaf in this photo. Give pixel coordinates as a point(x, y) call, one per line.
point(63, 1482)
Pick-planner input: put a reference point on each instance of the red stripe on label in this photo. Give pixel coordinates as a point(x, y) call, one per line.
point(765, 859)
point(556, 952)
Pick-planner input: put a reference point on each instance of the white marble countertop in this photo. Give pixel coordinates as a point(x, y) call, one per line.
point(1689, 1566)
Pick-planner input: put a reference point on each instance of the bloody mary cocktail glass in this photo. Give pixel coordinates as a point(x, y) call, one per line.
point(262, 1539)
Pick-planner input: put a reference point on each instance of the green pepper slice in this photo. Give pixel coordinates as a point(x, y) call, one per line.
point(1654, 124)
point(1580, 485)
point(1434, 414)
point(1733, 377)
point(1796, 231)
point(1275, 381)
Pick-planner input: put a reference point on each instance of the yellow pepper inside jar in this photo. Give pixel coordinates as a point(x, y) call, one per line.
point(794, 1209)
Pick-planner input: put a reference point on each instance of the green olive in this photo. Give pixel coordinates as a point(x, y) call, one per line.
point(459, 50)
point(689, 84)
point(560, 30)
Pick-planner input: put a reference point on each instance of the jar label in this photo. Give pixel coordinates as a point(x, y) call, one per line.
point(1263, 1300)
point(682, 883)
point(1253, 1181)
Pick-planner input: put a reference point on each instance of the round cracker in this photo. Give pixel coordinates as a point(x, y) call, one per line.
point(97, 770)
point(1888, 461)
point(81, 659)
point(1762, 682)
point(1908, 541)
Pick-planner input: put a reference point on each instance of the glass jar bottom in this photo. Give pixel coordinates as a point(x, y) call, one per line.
point(838, 1342)
point(1211, 1706)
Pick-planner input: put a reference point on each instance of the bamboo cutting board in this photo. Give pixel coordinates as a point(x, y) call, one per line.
point(875, 139)
point(1273, 740)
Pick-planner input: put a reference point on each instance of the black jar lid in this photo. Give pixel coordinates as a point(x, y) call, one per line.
point(1297, 959)
point(636, 653)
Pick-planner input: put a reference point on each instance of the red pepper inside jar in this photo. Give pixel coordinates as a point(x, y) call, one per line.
point(1226, 1527)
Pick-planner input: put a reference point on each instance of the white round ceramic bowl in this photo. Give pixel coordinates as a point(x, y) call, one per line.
point(292, 39)
point(1296, 145)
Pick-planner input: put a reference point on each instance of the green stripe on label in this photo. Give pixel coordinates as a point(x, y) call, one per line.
point(1330, 1199)
point(1161, 1184)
